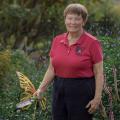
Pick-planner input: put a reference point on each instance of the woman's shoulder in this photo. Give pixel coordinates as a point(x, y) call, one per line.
point(90, 36)
point(59, 37)
point(92, 41)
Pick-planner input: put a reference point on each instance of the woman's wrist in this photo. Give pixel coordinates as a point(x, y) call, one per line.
point(98, 97)
point(41, 89)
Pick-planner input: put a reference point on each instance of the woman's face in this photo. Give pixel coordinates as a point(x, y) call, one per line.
point(74, 23)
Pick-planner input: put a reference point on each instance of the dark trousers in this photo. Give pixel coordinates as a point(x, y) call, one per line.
point(70, 96)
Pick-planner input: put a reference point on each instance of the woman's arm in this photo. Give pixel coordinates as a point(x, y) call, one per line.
point(99, 77)
point(48, 77)
point(99, 81)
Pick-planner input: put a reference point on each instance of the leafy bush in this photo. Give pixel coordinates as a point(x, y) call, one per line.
point(11, 96)
point(4, 67)
point(111, 49)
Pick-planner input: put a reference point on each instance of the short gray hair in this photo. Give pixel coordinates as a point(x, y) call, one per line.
point(78, 9)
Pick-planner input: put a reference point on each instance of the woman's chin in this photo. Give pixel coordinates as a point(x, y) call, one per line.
point(73, 31)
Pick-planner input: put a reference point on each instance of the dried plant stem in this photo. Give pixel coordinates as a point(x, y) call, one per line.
point(115, 83)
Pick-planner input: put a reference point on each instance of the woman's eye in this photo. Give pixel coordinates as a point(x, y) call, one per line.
point(69, 18)
point(78, 19)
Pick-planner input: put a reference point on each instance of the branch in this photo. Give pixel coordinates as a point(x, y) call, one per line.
point(115, 82)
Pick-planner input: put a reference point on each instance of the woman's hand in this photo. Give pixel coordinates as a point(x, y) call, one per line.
point(38, 93)
point(93, 105)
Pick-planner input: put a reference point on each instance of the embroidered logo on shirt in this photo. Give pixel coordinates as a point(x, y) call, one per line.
point(78, 50)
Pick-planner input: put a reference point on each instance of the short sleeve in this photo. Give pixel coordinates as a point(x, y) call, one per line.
point(52, 48)
point(96, 52)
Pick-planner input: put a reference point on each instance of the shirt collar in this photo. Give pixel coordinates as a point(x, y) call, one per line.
point(65, 40)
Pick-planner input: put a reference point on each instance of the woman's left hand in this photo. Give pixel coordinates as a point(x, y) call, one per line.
point(93, 105)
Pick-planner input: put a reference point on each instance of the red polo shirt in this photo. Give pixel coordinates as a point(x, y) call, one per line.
point(76, 60)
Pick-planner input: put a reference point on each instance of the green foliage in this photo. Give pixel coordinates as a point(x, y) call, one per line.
point(25, 22)
point(5, 62)
point(111, 49)
point(10, 96)
point(27, 19)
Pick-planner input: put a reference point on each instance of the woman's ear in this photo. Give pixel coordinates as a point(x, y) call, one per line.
point(84, 22)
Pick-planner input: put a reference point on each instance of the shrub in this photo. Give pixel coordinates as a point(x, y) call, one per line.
point(11, 96)
point(4, 67)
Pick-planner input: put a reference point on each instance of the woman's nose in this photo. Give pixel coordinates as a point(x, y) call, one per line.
point(72, 21)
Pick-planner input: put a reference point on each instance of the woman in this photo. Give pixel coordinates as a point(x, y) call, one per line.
point(76, 66)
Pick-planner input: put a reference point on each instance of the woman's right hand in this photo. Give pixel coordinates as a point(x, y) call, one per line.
point(38, 93)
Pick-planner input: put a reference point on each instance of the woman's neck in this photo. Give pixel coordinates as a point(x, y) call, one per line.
point(72, 37)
